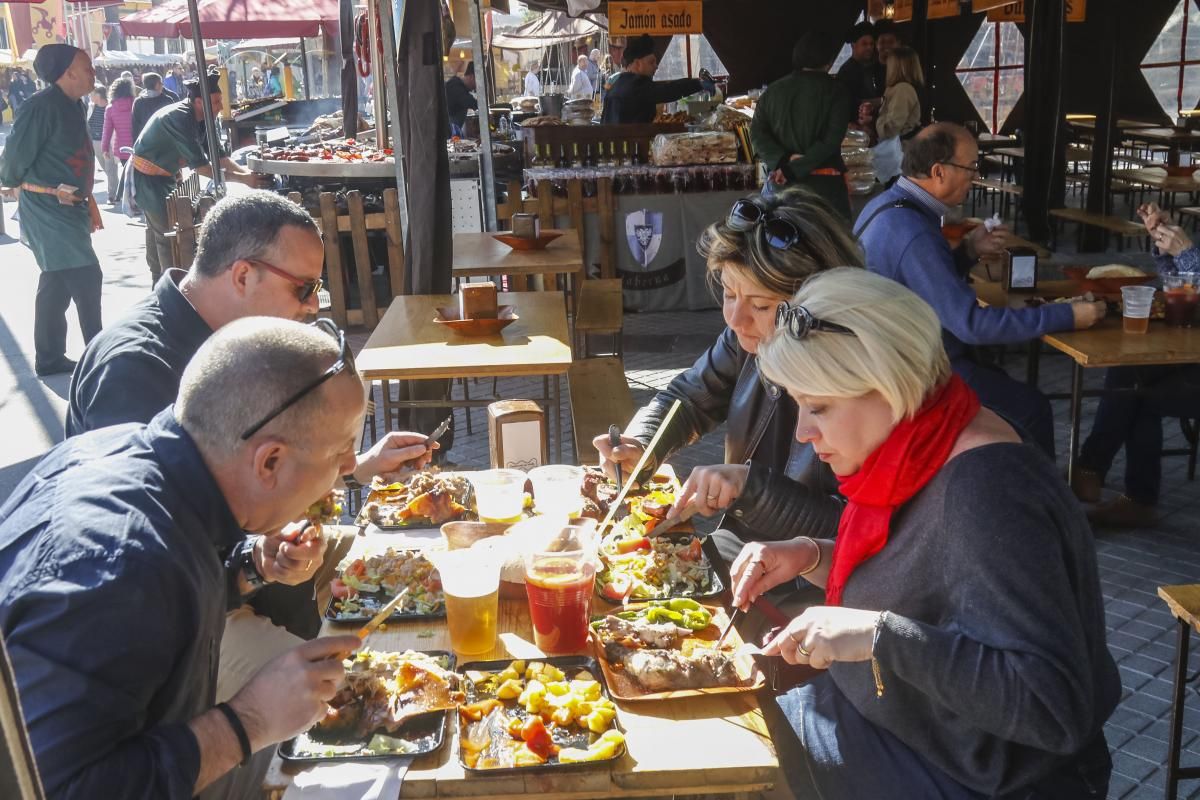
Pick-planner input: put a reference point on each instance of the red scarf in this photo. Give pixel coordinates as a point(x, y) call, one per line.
point(899, 468)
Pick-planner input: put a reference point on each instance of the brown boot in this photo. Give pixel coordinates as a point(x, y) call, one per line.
point(1123, 512)
point(1086, 484)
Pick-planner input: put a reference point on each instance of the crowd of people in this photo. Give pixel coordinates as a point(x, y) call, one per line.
point(884, 483)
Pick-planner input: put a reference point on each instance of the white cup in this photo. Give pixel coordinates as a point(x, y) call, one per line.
point(1136, 301)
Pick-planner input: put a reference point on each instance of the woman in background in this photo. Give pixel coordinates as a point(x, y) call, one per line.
point(96, 113)
point(117, 140)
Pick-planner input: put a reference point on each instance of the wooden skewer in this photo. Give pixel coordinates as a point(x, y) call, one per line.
point(612, 509)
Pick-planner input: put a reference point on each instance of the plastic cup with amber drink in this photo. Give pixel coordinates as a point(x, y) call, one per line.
point(1135, 308)
point(471, 587)
point(499, 494)
point(1181, 295)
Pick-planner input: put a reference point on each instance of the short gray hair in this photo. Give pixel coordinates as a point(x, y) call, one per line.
point(896, 349)
point(244, 372)
point(245, 226)
point(935, 144)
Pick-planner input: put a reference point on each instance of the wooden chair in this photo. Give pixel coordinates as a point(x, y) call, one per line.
point(19, 778)
point(1184, 603)
point(599, 396)
point(599, 311)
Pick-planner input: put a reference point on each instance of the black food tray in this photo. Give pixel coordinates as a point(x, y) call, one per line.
point(395, 616)
point(716, 585)
point(425, 734)
point(578, 737)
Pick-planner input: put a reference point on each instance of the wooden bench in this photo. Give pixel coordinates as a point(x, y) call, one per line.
point(600, 397)
point(1009, 195)
point(1184, 604)
point(1123, 228)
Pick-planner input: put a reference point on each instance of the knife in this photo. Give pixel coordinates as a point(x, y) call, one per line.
point(614, 439)
point(645, 459)
point(383, 614)
point(728, 627)
point(439, 431)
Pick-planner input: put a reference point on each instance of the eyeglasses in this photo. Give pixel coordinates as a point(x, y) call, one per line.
point(746, 215)
point(307, 287)
point(798, 321)
point(972, 168)
point(345, 361)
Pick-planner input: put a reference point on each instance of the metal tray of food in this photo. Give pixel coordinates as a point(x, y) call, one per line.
point(382, 502)
point(323, 169)
point(418, 736)
point(413, 607)
point(572, 736)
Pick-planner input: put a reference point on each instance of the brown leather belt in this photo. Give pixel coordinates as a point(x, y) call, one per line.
point(93, 209)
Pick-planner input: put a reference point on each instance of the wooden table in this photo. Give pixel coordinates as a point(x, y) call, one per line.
point(481, 255)
point(408, 345)
point(990, 141)
point(1173, 138)
point(717, 744)
point(1104, 345)
point(1087, 122)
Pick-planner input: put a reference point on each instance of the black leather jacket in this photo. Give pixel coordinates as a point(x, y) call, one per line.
point(723, 386)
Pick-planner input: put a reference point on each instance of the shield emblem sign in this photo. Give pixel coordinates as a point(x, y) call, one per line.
point(643, 233)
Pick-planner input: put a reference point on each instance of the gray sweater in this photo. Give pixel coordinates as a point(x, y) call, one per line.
point(993, 655)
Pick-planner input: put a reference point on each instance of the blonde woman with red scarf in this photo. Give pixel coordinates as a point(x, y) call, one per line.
point(963, 627)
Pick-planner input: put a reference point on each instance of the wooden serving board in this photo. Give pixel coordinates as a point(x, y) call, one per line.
point(624, 688)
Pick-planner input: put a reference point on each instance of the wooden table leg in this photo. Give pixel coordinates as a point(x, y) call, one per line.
point(1076, 402)
point(1033, 362)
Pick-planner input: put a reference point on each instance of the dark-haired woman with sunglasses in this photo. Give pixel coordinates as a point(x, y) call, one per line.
point(769, 486)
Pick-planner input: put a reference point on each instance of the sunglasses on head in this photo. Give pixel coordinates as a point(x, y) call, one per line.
point(345, 361)
point(780, 233)
point(305, 288)
point(799, 322)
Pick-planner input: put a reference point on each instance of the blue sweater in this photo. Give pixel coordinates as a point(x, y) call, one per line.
point(906, 245)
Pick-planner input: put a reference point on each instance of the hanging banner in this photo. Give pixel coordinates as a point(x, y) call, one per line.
point(1015, 12)
point(661, 18)
point(939, 9)
point(46, 23)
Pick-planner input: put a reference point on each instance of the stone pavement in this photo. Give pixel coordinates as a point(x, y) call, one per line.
point(1132, 564)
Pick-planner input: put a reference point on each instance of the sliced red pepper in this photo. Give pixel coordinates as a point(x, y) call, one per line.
point(694, 551)
point(537, 738)
point(618, 588)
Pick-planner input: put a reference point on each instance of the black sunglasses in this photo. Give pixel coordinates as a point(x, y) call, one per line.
point(798, 321)
point(746, 215)
point(345, 361)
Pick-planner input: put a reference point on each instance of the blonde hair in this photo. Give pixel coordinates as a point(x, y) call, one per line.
point(904, 66)
point(896, 350)
point(825, 242)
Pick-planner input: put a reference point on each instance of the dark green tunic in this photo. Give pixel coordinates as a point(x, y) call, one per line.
point(49, 146)
point(805, 114)
point(172, 139)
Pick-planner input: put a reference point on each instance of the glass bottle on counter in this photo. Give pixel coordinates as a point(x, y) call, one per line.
point(575, 162)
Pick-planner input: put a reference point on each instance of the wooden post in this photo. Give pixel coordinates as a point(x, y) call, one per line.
point(333, 260)
point(1045, 141)
point(606, 207)
point(545, 199)
point(1098, 199)
point(362, 259)
point(395, 242)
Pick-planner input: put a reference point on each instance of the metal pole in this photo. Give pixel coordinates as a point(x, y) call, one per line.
point(210, 120)
point(390, 26)
point(487, 174)
point(304, 70)
point(380, 106)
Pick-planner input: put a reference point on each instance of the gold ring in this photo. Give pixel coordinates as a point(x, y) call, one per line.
point(714, 497)
point(800, 649)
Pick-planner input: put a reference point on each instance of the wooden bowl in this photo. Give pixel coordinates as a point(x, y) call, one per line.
point(1108, 287)
point(448, 316)
point(461, 535)
point(521, 243)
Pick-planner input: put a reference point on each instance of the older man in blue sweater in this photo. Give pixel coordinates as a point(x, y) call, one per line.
point(900, 231)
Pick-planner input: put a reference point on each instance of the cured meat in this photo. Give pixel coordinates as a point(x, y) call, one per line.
point(382, 691)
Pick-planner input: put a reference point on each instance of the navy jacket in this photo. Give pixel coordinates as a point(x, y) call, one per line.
point(112, 605)
point(906, 245)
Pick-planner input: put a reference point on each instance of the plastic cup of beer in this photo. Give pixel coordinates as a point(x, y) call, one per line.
point(556, 490)
point(499, 494)
point(471, 587)
point(1181, 295)
point(560, 573)
point(1135, 305)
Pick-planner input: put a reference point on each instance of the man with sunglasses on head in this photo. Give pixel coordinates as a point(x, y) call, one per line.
point(259, 254)
point(112, 582)
point(901, 234)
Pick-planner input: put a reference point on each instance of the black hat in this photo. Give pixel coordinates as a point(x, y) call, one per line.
point(53, 60)
point(883, 26)
point(860, 30)
point(637, 48)
point(214, 86)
